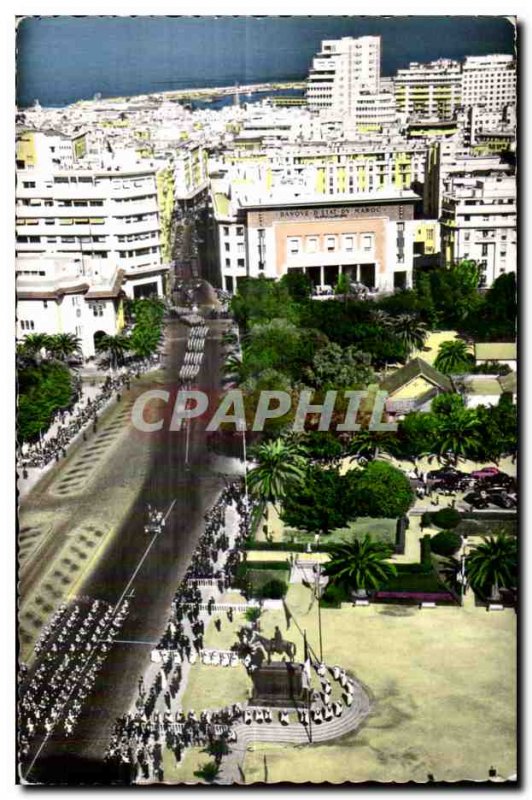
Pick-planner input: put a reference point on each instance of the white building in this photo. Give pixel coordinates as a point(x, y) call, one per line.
point(489, 81)
point(109, 215)
point(65, 294)
point(369, 237)
point(431, 91)
point(478, 222)
point(342, 69)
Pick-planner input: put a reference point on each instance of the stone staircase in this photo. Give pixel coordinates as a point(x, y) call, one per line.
point(295, 733)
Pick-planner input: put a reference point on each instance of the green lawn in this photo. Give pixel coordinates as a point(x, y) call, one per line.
point(443, 682)
point(379, 529)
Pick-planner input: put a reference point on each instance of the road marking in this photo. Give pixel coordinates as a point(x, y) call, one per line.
point(142, 560)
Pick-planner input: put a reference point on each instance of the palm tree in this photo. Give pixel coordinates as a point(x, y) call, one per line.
point(233, 365)
point(114, 346)
point(36, 345)
point(367, 444)
point(493, 564)
point(453, 356)
point(63, 345)
point(208, 772)
point(359, 565)
point(409, 331)
point(280, 467)
point(381, 318)
point(458, 433)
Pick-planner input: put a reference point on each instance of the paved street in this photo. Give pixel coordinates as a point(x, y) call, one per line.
point(193, 487)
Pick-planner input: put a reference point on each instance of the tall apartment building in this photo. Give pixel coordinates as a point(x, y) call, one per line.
point(478, 222)
point(109, 214)
point(343, 69)
point(489, 81)
point(369, 237)
point(431, 90)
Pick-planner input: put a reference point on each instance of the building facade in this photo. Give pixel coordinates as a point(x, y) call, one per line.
point(66, 294)
point(431, 91)
point(478, 222)
point(489, 81)
point(368, 237)
point(109, 215)
point(343, 69)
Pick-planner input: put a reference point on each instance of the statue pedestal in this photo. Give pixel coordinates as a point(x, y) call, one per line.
point(279, 685)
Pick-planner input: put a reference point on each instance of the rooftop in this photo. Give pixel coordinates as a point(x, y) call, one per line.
point(495, 351)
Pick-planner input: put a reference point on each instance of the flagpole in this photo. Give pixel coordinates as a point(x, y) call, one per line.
point(306, 654)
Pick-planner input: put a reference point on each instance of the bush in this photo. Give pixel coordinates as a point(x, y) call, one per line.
point(445, 543)
point(426, 519)
point(333, 596)
point(446, 518)
point(426, 553)
point(274, 589)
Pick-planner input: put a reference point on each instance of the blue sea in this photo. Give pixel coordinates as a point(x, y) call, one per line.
point(64, 59)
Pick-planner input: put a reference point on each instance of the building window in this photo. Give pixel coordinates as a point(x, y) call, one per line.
point(349, 243)
point(227, 262)
point(367, 241)
point(226, 230)
point(241, 263)
point(484, 249)
point(330, 243)
point(294, 246)
point(227, 247)
point(240, 230)
point(312, 244)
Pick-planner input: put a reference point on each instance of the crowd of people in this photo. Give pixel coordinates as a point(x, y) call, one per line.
point(83, 414)
point(68, 657)
point(139, 738)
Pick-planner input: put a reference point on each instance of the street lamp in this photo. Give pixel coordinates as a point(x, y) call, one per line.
point(317, 593)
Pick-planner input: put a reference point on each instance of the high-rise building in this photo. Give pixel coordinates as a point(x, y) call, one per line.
point(107, 214)
point(489, 81)
point(430, 90)
point(342, 70)
point(478, 222)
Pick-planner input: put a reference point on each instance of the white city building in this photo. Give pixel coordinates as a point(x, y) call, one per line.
point(431, 90)
point(489, 81)
point(478, 222)
point(68, 294)
point(342, 69)
point(105, 214)
point(369, 237)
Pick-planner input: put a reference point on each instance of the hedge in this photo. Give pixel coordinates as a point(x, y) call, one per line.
point(284, 547)
point(446, 518)
point(445, 543)
point(249, 565)
point(274, 589)
point(426, 553)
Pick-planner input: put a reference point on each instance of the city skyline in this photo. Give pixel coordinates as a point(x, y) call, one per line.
point(203, 51)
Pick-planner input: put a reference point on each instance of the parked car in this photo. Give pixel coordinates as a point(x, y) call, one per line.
point(485, 472)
